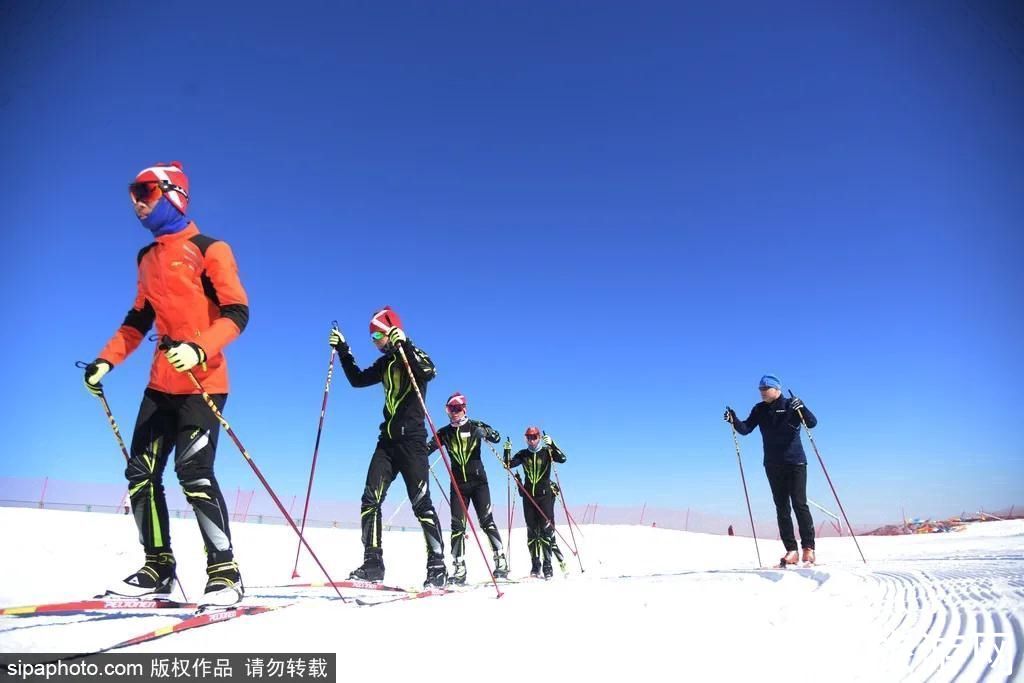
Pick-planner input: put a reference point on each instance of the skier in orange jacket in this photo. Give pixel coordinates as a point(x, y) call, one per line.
point(188, 287)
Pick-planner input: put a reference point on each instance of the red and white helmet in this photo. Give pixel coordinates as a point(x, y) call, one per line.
point(166, 178)
point(456, 402)
point(383, 320)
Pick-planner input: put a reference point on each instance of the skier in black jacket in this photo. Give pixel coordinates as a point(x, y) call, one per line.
point(462, 440)
point(784, 461)
point(400, 446)
point(536, 460)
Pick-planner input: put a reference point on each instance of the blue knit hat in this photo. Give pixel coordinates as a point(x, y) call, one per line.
point(770, 381)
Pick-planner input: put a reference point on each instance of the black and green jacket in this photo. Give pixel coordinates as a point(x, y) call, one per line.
point(537, 467)
point(403, 412)
point(463, 445)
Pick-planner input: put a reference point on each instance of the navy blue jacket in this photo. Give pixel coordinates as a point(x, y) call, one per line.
point(780, 431)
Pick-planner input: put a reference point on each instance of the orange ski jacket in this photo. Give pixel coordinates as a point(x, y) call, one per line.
point(189, 287)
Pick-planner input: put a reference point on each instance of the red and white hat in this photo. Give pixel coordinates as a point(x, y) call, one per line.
point(169, 178)
point(383, 320)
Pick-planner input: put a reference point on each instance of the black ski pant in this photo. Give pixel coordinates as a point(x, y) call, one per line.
point(407, 457)
point(185, 424)
point(540, 534)
point(789, 483)
point(478, 494)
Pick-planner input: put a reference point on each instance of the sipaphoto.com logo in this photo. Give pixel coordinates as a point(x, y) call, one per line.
point(994, 649)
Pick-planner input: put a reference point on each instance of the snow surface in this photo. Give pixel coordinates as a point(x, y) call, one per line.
point(652, 604)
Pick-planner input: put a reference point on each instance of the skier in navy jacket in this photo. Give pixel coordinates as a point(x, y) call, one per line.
point(784, 461)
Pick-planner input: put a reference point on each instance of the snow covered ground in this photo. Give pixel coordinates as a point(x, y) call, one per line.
point(652, 604)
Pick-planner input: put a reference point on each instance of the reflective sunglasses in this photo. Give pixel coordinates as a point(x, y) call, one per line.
point(532, 437)
point(145, 192)
point(455, 408)
point(149, 191)
point(377, 336)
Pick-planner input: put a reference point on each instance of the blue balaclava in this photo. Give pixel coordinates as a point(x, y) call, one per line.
point(164, 219)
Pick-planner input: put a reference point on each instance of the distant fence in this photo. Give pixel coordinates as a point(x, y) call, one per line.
point(255, 506)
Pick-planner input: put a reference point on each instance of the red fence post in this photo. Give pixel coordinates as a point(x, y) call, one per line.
point(42, 494)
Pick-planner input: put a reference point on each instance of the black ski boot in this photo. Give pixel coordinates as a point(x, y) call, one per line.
point(535, 568)
point(458, 577)
point(437, 575)
point(372, 568)
point(155, 578)
point(548, 572)
point(223, 581)
point(500, 566)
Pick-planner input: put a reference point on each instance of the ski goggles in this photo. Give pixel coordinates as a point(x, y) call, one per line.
point(532, 437)
point(377, 336)
point(149, 191)
point(456, 408)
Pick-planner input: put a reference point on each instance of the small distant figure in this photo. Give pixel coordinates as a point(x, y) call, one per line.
point(731, 532)
point(536, 460)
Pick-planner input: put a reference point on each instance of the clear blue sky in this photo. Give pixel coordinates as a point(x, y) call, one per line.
point(605, 218)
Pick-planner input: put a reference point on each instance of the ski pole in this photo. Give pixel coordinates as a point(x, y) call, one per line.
point(526, 493)
point(316, 449)
point(447, 466)
point(110, 416)
point(561, 492)
point(568, 518)
point(126, 500)
point(166, 343)
point(572, 521)
point(829, 479)
point(511, 507)
point(440, 489)
point(743, 479)
point(406, 499)
point(827, 512)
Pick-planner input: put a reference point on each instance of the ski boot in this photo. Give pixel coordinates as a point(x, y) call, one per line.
point(372, 569)
point(564, 567)
point(535, 568)
point(154, 579)
point(808, 559)
point(458, 577)
point(223, 581)
point(789, 559)
point(437, 575)
point(548, 571)
point(500, 566)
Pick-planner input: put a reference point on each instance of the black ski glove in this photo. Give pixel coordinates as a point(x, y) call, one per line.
point(487, 433)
